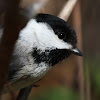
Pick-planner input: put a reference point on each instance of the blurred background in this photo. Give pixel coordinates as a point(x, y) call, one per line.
point(76, 77)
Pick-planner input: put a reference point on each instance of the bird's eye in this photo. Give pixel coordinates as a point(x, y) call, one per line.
point(61, 35)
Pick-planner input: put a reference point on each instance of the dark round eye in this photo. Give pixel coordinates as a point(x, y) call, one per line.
point(61, 35)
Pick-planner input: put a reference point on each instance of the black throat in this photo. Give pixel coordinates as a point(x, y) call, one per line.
point(50, 57)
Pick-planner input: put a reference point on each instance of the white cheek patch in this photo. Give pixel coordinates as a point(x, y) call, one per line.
point(45, 37)
point(41, 36)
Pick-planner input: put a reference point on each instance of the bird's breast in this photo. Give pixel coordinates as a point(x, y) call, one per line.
point(29, 74)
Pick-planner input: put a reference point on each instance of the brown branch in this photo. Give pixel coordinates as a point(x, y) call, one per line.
point(12, 27)
point(77, 27)
point(67, 9)
point(64, 14)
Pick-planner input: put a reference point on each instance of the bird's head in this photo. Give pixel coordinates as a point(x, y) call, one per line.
point(56, 40)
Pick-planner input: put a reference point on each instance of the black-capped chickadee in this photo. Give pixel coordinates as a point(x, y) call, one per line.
point(42, 43)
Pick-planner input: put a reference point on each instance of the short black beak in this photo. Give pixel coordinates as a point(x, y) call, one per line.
point(76, 51)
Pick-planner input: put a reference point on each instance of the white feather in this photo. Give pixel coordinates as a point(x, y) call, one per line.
point(40, 35)
point(34, 35)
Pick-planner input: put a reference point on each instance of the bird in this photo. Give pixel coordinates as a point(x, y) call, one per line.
point(45, 41)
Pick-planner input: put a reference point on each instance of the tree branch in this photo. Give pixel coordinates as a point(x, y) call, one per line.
point(10, 35)
point(23, 94)
point(78, 29)
point(67, 9)
point(64, 14)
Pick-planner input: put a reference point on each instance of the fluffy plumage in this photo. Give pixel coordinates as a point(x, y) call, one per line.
point(45, 41)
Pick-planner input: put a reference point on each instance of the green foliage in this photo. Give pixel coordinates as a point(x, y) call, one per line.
point(92, 70)
point(96, 77)
point(57, 94)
